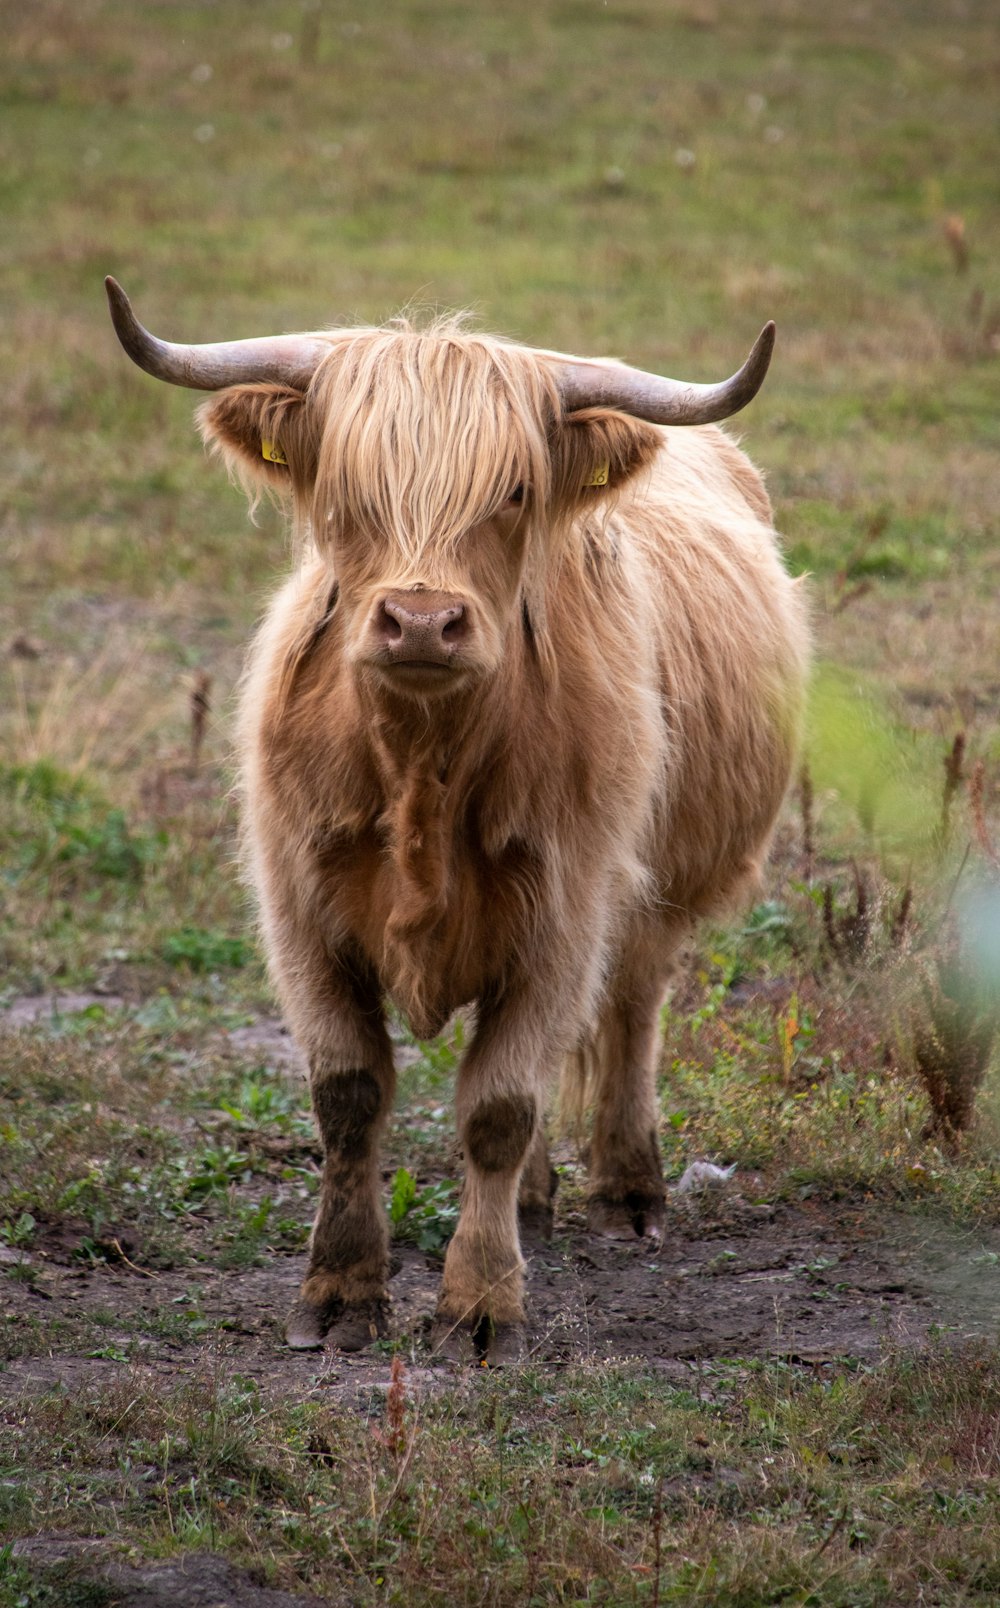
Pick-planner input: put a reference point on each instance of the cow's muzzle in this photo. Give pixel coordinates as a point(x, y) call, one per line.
point(420, 630)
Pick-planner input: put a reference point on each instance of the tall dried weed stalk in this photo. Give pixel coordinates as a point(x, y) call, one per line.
point(393, 1433)
point(870, 926)
point(954, 776)
point(201, 705)
point(977, 810)
point(954, 1036)
point(807, 800)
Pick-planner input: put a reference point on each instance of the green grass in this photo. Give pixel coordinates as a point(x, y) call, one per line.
point(849, 1487)
point(827, 153)
point(94, 892)
point(646, 179)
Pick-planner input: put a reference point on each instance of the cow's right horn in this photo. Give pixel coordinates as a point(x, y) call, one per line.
point(281, 359)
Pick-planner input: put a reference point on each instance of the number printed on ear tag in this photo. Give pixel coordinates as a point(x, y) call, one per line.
point(272, 452)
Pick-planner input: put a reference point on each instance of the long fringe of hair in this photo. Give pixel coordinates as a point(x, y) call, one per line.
point(461, 421)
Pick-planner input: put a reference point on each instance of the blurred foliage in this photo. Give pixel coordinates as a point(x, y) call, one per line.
point(887, 775)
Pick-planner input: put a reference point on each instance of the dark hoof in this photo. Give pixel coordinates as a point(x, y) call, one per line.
point(357, 1327)
point(453, 1342)
point(506, 1345)
point(306, 1326)
point(535, 1223)
point(344, 1328)
point(484, 1345)
point(626, 1219)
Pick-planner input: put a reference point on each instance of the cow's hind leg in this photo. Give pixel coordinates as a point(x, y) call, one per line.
point(626, 1191)
point(537, 1189)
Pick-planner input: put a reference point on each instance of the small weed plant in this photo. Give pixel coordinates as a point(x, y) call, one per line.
point(423, 1215)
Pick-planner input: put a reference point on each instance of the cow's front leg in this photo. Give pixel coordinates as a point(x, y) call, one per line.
point(344, 1298)
point(497, 1110)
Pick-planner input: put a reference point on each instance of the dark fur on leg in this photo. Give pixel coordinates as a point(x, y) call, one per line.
point(344, 1299)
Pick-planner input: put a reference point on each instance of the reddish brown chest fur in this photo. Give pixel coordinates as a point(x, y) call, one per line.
point(431, 912)
point(416, 836)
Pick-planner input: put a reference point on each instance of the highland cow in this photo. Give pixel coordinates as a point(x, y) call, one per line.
point(525, 709)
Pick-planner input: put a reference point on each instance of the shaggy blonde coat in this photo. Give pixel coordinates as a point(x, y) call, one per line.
point(536, 837)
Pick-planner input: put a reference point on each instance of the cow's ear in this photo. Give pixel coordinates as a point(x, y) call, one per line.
point(598, 449)
point(264, 433)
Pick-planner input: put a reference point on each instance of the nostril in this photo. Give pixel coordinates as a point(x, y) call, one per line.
point(388, 623)
point(454, 628)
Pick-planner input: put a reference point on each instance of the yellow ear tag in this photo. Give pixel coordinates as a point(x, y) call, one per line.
point(272, 452)
point(600, 475)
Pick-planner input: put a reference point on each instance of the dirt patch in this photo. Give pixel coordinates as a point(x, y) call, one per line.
point(269, 1039)
point(815, 1280)
point(40, 1010)
point(812, 1283)
point(809, 1282)
point(196, 1580)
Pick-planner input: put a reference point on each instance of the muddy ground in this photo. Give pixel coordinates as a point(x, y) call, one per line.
point(814, 1283)
point(812, 1280)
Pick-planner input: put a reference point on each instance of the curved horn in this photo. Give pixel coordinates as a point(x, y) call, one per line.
point(662, 401)
point(284, 359)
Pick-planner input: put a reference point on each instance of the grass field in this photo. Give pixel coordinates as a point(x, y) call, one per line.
point(798, 1402)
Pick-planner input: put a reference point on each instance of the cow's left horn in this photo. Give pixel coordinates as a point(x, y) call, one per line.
point(283, 359)
point(663, 401)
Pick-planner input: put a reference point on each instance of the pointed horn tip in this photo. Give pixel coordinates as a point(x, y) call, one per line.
point(122, 317)
point(763, 346)
point(754, 370)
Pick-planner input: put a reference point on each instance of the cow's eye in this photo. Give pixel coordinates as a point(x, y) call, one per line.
point(516, 496)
